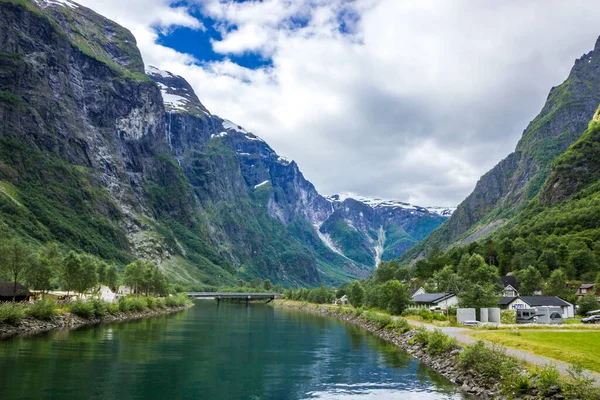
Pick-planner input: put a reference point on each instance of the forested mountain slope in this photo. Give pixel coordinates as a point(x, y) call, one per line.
point(111, 158)
point(518, 178)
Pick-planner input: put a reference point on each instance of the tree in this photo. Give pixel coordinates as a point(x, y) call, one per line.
point(135, 275)
point(267, 285)
point(88, 276)
point(112, 277)
point(588, 303)
point(597, 283)
point(70, 271)
point(16, 259)
point(395, 297)
point(582, 261)
point(356, 294)
point(530, 281)
point(557, 284)
point(342, 290)
point(446, 280)
point(478, 296)
point(385, 271)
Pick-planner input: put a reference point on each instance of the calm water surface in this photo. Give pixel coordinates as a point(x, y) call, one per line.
point(216, 352)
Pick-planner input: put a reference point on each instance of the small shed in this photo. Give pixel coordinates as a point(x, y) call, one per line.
point(7, 291)
point(435, 300)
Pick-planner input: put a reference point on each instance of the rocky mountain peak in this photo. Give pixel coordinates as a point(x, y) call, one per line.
point(177, 93)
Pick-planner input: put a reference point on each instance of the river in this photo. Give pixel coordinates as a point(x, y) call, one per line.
point(211, 351)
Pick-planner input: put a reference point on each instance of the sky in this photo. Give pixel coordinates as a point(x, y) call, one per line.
point(411, 100)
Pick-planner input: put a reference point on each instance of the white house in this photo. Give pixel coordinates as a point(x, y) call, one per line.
point(419, 291)
point(435, 300)
point(510, 286)
point(519, 302)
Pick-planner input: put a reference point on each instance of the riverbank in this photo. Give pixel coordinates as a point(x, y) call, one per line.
point(481, 371)
point(32, 326)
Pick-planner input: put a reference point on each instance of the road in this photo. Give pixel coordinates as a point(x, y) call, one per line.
point(462, 336)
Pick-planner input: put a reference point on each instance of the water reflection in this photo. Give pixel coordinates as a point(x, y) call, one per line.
point(210, 352)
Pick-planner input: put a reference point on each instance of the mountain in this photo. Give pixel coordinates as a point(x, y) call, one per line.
point(106, 156)
point(509, 186)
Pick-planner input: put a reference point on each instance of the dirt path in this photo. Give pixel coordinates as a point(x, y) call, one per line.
point(462, 336)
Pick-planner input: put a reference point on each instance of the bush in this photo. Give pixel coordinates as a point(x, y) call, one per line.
point(421, 336)
point(517, 384)
point(160, 303)
point(84, 309)
point(508, 317)
point(439, 343)
point(380, 320)
point(124, 304)
point(491, 362)
point(112, 308)
point(580, 386)
point(11, 313)
point(99, 306)
point(43, 309)
point(151, 302)
point(359, 311)
point(138, 304)
point(426, 315)
point(548, 380)
point(401, 325)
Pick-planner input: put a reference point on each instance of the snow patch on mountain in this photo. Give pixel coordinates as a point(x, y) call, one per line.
point(377, 202)
point(63, 3)
point(261, 184)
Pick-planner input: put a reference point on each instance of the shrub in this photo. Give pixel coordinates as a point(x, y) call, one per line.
point(401, 325)
point(43, 309)
point(516, 384)
point(151, 302)
point(439, 343)
point(421, 336)
point(11, 313)
point(548, 380)
point(440, 317)
point(380, 320)
point(112, 308)
point(84, 309)
point(124, 304)
point(491, 362)
point(508, 317)
point(426, 315)
point(138, 304)
point(99, 306)
point(359, 311)
point(580, 386)
point(160, 303)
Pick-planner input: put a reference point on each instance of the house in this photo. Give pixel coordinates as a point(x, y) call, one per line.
point(586, 288)
point(7, 292)
point(435, 300)
point(125, 290)
point(520, 302)
point(106, 294)
point(510, 286)
point(417, 291)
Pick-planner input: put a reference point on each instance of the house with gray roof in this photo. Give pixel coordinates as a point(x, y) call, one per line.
point(435, 300)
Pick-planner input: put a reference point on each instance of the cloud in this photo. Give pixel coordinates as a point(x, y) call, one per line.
point(412, 100)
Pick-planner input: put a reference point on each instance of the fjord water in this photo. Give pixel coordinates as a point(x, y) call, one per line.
point(226, 351)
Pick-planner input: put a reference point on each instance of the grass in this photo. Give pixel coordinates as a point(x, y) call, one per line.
point(570, 347)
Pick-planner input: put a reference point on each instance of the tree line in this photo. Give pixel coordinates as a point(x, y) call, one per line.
point(49, 268)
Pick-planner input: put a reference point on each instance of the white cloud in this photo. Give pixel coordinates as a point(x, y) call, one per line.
point(416, 103)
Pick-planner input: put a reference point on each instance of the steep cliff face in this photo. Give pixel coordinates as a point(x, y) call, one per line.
point(107, 158)
point(518, 178)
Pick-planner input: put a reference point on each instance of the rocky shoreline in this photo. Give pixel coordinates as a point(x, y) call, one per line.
point(445, 364)
point(32, 326)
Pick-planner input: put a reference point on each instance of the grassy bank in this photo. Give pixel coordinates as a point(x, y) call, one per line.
point(569, 346)
point(14, 313)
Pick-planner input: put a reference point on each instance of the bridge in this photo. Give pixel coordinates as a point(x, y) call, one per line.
point(234, 296)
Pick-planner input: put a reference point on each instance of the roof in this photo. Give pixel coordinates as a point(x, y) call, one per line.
point(432, 297)
point(510, 280)
point(586, 286)
point(542, 301)
point(7, 289)
point(504, 301)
